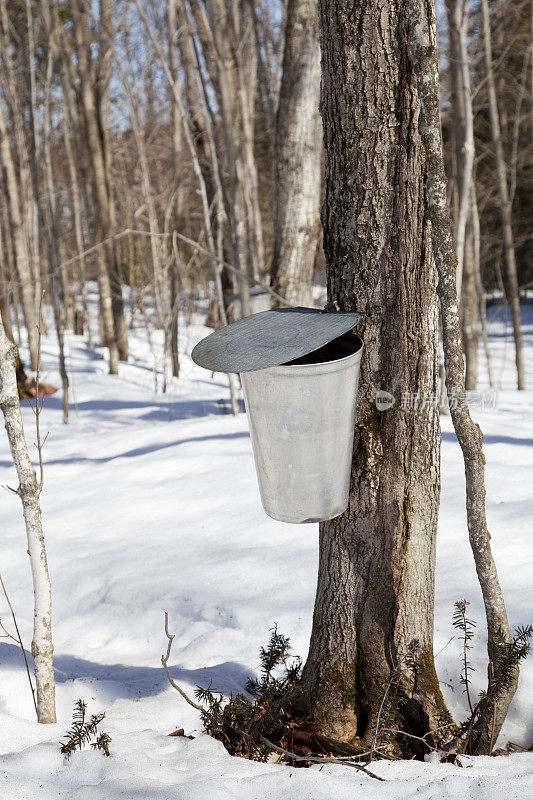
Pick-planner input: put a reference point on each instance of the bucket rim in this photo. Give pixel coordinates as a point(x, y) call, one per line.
point(322, 366)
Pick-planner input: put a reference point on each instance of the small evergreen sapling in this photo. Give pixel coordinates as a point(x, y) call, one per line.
point(266, 715)
point(466, 626)
point(83, 730)
point(511, 654)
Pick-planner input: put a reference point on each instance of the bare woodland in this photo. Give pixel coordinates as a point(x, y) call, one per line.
point(165, 156)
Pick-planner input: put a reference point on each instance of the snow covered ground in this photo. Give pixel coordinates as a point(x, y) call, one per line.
point(151, 504)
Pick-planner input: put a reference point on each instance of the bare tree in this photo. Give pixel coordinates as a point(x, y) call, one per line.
point(298, 157)
point(463, 136)
point(47, 218)
point(505, 203)
point(91, 94)
point(29, 490)
point(422, 44)
point(20, 245)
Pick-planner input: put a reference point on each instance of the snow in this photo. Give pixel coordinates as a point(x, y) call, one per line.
point(150, 504)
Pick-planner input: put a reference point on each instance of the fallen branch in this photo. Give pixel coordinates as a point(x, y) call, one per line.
point(164, 661)
point(314, 759)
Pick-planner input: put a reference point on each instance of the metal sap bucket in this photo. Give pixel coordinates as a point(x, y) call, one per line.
point(302, 418)
point(300, 371)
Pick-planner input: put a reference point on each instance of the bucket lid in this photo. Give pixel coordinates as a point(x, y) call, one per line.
point(271, 338)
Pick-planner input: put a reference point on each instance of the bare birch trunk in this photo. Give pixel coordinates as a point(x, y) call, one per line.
point(375, 596)
point(47, 221)
point(5, 309)
point(505, 205)
point(29, 491)
point(20, 246)
point(423, 51)
point(298, 157)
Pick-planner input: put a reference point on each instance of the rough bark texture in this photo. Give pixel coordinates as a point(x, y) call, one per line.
point(423, 49)
point(298, 157)
point(505, 204)
point(28, 491)
point(374, 603)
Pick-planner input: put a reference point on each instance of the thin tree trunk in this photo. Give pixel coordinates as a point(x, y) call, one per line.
point(20, 246)
point(47, 221)
point(236, 139)
point(505, 205)
point(177, 155)
point(246, 61)
point(470, 310)
point(298, 157)
point(463, 135)
point(29, 491)
point(5, 308)
point(373, 614)
point(480, 290)
point(115, 329)
point(458, 11)
point(423, 50)
point(69, 128)
point(199, 177)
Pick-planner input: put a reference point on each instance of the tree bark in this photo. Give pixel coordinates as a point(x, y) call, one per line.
point(109, 276)
point(423, 51)
point(177, 153)
point(20, 246)
point(47, 220)
point(505, 205)
point(234, 106)
point(470, 309)
point(29, 491)
point(463, 129)
point(298, 157)
point(70, 126)
point(374, 605)
point(463, 136)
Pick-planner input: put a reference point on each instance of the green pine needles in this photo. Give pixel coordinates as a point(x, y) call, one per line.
point(83, 730)
point(466, 626)
point(503, 672)
point(263, 715)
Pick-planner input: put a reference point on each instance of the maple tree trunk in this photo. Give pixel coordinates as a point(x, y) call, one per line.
point(375, 595)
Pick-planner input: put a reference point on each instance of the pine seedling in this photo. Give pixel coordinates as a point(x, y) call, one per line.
point(83, 730)
point(466, 626)
point(265, 715)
